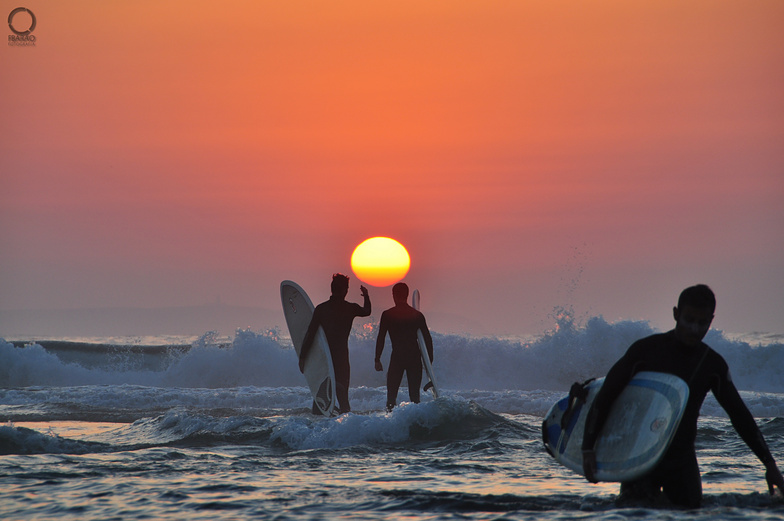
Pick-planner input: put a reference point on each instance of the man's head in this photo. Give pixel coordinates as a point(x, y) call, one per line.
point(400, 293)
point(694, 313)
point(339, 285)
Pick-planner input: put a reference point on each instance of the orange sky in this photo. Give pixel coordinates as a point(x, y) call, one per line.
point(601, 154)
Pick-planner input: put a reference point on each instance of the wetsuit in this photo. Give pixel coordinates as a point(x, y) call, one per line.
point(336, 316)
point(678, 474)
point(402, 323)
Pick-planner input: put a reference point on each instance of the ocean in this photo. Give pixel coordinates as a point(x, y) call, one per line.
point(220, 428)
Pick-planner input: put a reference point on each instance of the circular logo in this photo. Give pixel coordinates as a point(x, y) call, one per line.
point(11, 21)
point(658, 424)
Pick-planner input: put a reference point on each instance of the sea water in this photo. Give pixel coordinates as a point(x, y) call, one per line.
point(220, 428)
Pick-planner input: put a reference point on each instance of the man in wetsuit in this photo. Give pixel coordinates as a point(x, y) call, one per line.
point(336, 316)
point(402, 323)
point(680, 352)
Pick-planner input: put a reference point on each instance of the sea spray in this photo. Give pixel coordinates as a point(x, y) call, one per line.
point(567, 353)
point(251, 359)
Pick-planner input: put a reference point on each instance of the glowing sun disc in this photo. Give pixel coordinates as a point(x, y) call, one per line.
point(380, 261)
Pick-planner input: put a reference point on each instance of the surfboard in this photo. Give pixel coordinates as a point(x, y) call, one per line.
point(423, 349)
point(638, 430)
point(319, 373)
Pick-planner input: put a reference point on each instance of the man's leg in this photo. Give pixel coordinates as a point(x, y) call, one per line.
point(394, 377)
point(342, 377)
point(683, 485)
point(679, 479)
point(645, 490)
point(414, 374)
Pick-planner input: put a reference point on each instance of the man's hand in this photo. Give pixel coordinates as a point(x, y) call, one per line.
point(379, 367)
point(589, 465)
point(774, 479)
point(363, 290)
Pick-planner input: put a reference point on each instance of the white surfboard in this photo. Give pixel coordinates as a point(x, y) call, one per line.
point(319, 373)
point(638, 430)
point(423, 348)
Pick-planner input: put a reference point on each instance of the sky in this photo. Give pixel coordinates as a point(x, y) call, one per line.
point(594, 156)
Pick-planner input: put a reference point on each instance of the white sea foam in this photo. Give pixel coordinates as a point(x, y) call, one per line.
point(551, 362)
point(448, 418)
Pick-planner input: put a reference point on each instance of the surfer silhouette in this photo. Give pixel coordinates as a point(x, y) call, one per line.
point(335, 316)
point(402, 323)
point(680, 352)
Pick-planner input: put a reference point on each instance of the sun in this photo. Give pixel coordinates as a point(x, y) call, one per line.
point(380, 261)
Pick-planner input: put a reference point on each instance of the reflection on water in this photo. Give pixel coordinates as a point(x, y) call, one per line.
point(88, 431)
point(201, 467)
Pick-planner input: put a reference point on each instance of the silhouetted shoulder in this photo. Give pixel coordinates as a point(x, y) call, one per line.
point(651, 342)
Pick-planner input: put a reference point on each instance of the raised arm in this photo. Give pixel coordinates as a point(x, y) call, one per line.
point(366, 304)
